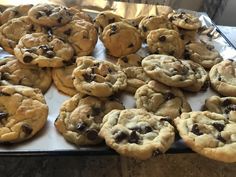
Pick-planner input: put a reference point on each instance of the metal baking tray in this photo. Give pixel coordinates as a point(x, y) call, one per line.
point(49, 142)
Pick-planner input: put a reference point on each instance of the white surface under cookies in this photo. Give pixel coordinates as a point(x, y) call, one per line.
point(48, 140)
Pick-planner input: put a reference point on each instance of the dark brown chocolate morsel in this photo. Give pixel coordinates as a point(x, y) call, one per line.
point(131, 45)
point(112, 20)
point(226, 102)
point(133, 138)
point(220, 138)
point(196, 130)
point(167, 119)
point(88, 77)
point(162, 38)
point(95, 111)
point(218, 126)
point(3, 115)
point(27, 58)
point(4, 94)
point(113, 29)
point(68, 32)
point(125, 59)
point(168, 96)
point(144, 28)
point(26, 129)
point(156, 153)
point(39, 14)
point(81, 126)
point(50, 54)
point(186, 54)
point(92, 134)
point(205, 85)
point(229, 108)
point(171, 18)
point(172, 52)
point(187, 20)
point(120, 136)
point(59, 19)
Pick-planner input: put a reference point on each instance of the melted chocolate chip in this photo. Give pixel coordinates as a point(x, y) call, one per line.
point(113, 30)
point(26, 129)
point(218, 126)
point(95, 111)
point(50, 54)
point(88, 77)
point(187, 20)
point(205, 85)
point(131, 45)
point(3, 115)
point(226, 102)
point(156, 153)
point(142, 129)
point(4, 94)
point(48, 12)
point(92, 134)
point(27, 58)
point(59, 19)
point(220, 138)
point(196, 130)
point(81, 126)
point(168, 96)
point(219, 78)
point(120, 136)
point(133, 138)
point(162, 38)
point(167, 119)
point(230, 108)
point(68, 32)
point(124, 59)
point(112, 20)
point(171, 18)
point(144, 28)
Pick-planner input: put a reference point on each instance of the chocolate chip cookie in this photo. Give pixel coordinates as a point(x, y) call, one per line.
point(121, 39)
point(185, 20)
point(62, 78)
point(161, 100)
point(49, 15)
point(43, 50)
point(16, 73)
point(23, 112)
point(79, 15)
point(168, 70)
point(204, 54)
point(165, 41)
point(222, 105)
point(81, 34)
point(97, 77)
point(202, 79)
point(129, 61)
point(105, 18)
point(209, 134)
point(133, 21)
point(150, 23)
point(15, 12)
point(80, 118)
point(137, 133)
point(14, 29)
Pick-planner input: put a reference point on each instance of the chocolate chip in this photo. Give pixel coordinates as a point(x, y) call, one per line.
point(50, 54)
point(96, 64)
point(32, 28)
point(133, 138)
point(230, 108)
point(156, 153)
point(26, 129)
point(49, 31)
point(59, 19)
point(171, 18)
point(113, 30)
point(218, 126)
point(220, 138)
point(187, 20)
point(88, 77)
point(48, 12)
point(142, 129)
point(144, 28)
point(92, 134)
point(219, 78)
point(147, 129)
point(95, 111)
point(205, 85)
point(4, 94)
point(226, 102)
point(44, 47)
point(120, 136)
point(5, 76)
point(162, 38)
point(3, 115)
point(168, 96)
point(131, 45)
point(68, 32)
point(172, 52)
point(109, 70)
point(27, 58)
point(196, 130)
point(124, 59)
point(182, 36)
point(81, 126)
point(68, 62)
point(167, 119)
point(112, 20)
point(39, 14)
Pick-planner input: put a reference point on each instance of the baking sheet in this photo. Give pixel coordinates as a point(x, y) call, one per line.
point(49, 142)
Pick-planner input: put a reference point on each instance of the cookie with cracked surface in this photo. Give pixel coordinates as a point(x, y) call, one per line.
point(15, 12)
point(202, 53)
point(209, 134)
point(168, 70)
point(9, 36)
point(165, 41)
point(202, 79)
point(97, 77)
point(81, 34)
point(121, 39)
point(185, 20)
point(223, 77)
point(49, 15)
point(137, 133)
point(222, 105)
point(81, 116)
point(43, 50)
point(16, 73)
point(23, 112)
point(105, 18)
point(161, 100)
point(62, 78)
point(150, 23)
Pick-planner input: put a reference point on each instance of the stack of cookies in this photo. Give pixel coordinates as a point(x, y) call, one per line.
point(55, 43)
